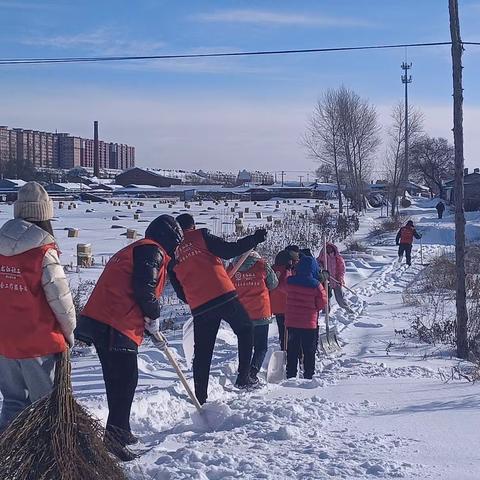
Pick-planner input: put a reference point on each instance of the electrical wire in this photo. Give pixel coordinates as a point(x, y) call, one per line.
point(38, 61)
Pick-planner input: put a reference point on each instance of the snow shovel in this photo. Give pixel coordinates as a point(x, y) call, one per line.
point(161, 343)
point(188, 337)
point(276, 369)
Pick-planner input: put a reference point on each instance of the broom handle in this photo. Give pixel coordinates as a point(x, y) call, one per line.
point(327, 307)
point(343, 286)
point(179, 372)
point(239, 263)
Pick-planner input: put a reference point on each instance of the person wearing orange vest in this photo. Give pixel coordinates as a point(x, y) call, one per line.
point(404, 240)
point(124, 303)
point(200, 279)
point(37, 311)
point(253, 281)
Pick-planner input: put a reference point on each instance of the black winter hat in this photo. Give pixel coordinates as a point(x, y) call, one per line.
point(166, 231)
point(186, 221)
point(282, 258)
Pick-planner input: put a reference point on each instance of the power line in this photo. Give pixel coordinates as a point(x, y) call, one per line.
point(35, 61)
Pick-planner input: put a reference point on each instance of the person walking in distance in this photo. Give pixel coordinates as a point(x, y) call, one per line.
point(440, 209)
point(306, 297)
point(37, 311)
point(283, 267)
point(404, 240)
point(124, 303)
point(253, 281)
point(200, 279)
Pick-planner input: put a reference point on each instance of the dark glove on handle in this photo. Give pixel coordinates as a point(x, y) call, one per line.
point(260, 235)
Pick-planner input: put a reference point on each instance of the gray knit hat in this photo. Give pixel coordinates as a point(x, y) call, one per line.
point(33, 203)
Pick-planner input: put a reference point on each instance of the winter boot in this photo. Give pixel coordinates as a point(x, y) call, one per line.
point(254, 376)
point(246, 382)
point(116, 448)
point(125, 437)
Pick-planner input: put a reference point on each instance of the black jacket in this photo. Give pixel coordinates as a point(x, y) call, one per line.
point(222, 249)
point(147, 262)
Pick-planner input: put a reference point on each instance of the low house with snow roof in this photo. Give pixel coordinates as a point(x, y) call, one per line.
point(9, 189)
point(471, 182)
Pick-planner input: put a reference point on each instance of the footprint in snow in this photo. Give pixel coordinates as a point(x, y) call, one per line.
point(368, 325)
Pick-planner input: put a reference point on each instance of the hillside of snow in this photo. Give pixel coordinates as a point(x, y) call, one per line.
point(379, 408)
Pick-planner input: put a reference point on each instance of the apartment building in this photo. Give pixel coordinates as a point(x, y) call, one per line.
point(60, 150)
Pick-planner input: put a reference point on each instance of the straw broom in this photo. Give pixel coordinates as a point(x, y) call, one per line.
point(56, 439)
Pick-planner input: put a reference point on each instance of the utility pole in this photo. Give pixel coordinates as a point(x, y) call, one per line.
point(283, 175)
point(300, 177)
point(461, 295)
point(406, 79)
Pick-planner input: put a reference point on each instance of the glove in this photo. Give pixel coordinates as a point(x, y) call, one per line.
point(152, 326)
point(260, 235)
point(324, 275)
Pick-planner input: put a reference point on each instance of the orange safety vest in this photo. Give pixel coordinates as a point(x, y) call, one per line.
point(201, 274)
point(113, 302)
point(406, 235)
point(253, 292)
point(28, 326)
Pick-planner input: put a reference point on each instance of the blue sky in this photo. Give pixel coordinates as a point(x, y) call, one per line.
point(226, 113)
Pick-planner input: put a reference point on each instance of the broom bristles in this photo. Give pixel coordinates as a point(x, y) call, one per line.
point(56, 439)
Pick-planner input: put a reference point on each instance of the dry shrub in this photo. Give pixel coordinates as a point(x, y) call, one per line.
point(306, 231)
point(356, 246)
point(81, 293)
point(388, 225)
point(433, 294)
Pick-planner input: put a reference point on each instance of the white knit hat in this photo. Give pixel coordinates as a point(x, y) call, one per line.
point(33, 203)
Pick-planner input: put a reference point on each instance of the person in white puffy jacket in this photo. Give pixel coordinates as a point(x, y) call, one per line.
point(37, 311)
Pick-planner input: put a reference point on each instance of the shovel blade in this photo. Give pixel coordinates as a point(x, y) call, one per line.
point(188, 342)
point(276, 367)
point(329, 342)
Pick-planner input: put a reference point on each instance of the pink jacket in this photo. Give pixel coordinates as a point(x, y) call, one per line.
point(303, 306)
point(335, 264)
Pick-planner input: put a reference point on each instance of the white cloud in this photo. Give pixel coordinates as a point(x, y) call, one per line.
point(24, 5)
point(105, 41)
point(264, 17)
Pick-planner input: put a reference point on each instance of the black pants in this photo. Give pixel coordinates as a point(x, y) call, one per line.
point(281, 330)
point(299, 339)
point(260, 346)
point(120, 373)
point(440, 213)
point(205, 328)
point(407, 249)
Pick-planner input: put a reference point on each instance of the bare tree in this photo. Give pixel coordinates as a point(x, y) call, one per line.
point(343, 133)
point(433, 162)
point(360, 139)
point(322, 138)
point(395, 155)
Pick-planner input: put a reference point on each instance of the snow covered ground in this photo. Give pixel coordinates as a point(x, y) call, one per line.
point(380, 408)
